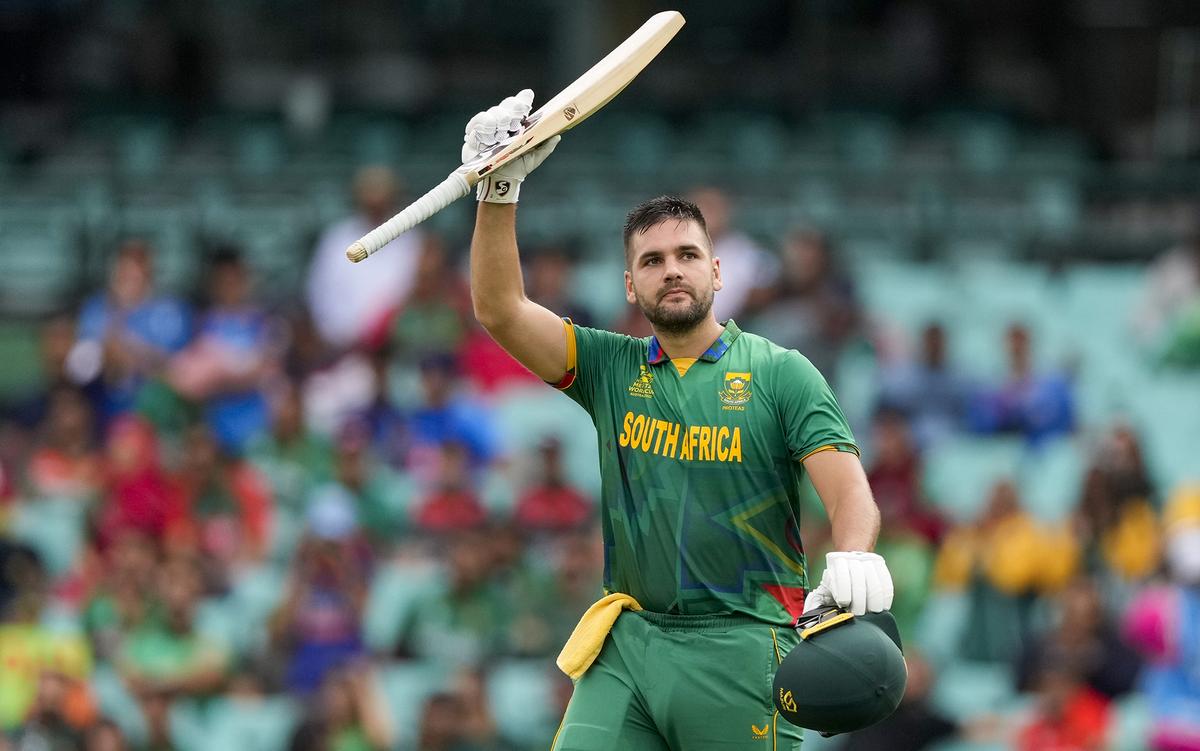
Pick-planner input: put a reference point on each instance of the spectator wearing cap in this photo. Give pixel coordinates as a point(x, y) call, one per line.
point(318, 627)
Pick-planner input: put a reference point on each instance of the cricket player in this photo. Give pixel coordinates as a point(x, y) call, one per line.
point(705, 432)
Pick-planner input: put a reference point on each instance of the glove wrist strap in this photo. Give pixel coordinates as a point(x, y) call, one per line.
point(497, 189)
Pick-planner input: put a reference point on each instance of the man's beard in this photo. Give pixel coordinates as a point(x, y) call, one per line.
point(674, 320)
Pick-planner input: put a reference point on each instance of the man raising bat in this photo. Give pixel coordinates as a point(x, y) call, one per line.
point(705, 433)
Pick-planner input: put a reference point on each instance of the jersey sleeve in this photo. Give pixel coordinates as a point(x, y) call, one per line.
point(588, 351)
point(812, 420)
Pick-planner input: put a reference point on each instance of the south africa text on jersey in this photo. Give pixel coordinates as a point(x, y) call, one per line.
point(693, 443)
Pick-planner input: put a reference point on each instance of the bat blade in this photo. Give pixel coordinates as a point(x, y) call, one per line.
point(587, 94)
point(571, 106)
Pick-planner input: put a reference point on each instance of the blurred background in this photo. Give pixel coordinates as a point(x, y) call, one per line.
point(253, 496)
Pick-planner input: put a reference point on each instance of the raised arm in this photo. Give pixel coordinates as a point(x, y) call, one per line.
point(532, 334)
point(529, 332)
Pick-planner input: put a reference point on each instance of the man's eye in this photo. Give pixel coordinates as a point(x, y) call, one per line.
point(689, 256)
point(652, 261)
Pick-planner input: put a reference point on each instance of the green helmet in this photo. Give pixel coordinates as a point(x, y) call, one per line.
point(846, 673)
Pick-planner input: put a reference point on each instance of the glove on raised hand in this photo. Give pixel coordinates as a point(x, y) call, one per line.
point(857, 581)
point(489, 128)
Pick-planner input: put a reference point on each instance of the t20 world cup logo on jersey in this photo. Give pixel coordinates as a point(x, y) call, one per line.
point(737, 391)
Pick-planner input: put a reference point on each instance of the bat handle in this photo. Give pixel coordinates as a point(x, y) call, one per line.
point(447, 192)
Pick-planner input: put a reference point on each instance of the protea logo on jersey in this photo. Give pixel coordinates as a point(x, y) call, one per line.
point(736, 392)
point(672, 440)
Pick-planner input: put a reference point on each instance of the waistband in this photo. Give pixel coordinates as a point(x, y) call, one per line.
point(708, 622)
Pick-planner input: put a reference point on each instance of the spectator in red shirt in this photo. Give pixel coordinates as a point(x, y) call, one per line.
point(139, 494)
point(1069, 716)
point(550, 504)
point(895, 479)
point(452, 505)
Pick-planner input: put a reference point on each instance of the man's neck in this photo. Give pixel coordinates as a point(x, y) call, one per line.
point(691, 343)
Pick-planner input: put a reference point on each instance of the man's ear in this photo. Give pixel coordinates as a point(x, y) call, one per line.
point(717, 283)
point(629, 296)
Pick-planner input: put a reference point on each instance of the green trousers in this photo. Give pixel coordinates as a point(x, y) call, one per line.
point(681, 683)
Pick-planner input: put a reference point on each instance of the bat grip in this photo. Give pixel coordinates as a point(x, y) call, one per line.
point(447, 192)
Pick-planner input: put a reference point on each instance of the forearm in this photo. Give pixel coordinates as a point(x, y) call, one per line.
point(839, 480)
point(854, 519)
point(497, 288)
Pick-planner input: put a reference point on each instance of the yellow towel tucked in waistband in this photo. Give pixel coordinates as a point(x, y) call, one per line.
point(583, 647)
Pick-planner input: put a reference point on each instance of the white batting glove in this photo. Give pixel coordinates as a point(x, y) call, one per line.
point(856, 581)
point(489, 128)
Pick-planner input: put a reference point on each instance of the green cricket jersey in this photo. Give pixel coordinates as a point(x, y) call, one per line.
point(700, 473)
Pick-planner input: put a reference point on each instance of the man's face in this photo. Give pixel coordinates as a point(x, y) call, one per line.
point(672, 275)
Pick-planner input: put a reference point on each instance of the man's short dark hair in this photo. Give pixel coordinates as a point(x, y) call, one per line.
point(657, 210)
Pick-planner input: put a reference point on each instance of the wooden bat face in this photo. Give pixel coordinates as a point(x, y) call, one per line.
point(586, 95)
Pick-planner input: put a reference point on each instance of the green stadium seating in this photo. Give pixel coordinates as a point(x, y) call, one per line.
point(19, 350)
point(264, 724)
point(170, 229)
point(39, 261)
point(520, 693)
point(392, 592)
point(1051, 479)
point(968, 689)
point(940, 626)
point(276, 241)
point(959, 473)
point(1131, 724)
point(54, 527)
point(405, 686)
point(526, 416)
point(114, 701)
point(596, 284)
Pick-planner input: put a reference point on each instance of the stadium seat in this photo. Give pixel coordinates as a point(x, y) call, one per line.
point(960, 472)
point(528, 415)
point(54, 527)
point(940, 626)
point(405, 686)
point(170, 229)
point(521, 696)
point(39, 263)
point(968, 689)
point(596, 284)
point(1051, 478)
point(114, 701)
point(1131, 724)
point(19, 350)
point(392, 591)
point(263, 724)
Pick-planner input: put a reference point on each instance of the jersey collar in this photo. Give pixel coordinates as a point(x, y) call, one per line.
point(655, 354)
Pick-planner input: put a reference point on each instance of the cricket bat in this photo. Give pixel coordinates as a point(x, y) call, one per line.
point(568, 108)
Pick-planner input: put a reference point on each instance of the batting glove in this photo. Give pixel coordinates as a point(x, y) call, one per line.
point(859, 582)
point(486, 130)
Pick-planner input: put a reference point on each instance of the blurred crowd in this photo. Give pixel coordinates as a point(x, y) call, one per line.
point(208, 503)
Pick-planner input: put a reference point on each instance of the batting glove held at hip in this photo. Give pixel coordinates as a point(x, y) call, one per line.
point(857, 581)
point(486, 130)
